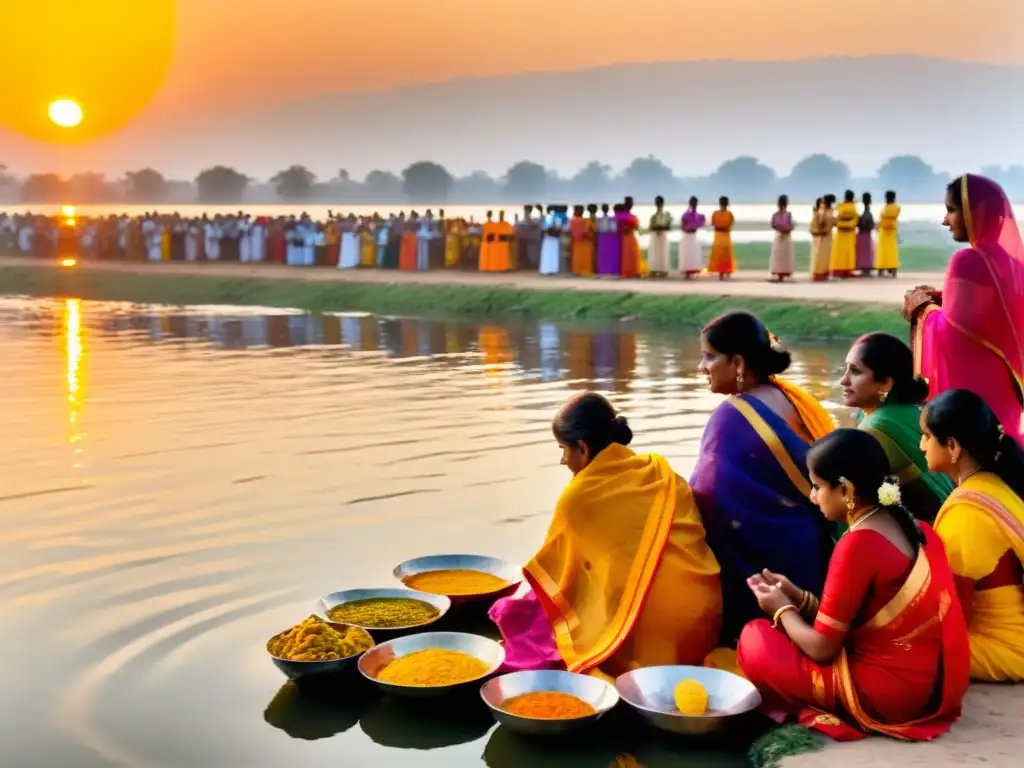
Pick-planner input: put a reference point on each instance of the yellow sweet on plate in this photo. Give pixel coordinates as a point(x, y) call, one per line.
point(691, 698)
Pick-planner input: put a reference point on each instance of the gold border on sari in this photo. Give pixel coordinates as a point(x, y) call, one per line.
point(767, 434)
point(916, 584)
point(918, 336)
point(966, 203)
point(911, 471)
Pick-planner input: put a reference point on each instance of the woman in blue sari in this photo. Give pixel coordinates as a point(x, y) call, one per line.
point(750, 481)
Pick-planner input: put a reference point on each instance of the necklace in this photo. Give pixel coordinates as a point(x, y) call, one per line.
point(856, 523)
point(969, 475)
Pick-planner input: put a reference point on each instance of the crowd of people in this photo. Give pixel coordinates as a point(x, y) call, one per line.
point(887, 558)
point(592, 241)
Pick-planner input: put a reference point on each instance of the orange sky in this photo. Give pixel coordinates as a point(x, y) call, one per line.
point(236, 56)
point(311, 46)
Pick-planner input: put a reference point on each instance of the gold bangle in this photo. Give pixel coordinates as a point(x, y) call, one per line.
point(805, 598)
point(780, 613)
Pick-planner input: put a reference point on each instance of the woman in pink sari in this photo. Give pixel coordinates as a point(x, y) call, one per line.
point(970, 335)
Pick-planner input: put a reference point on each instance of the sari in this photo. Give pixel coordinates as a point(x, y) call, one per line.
point(752, 488)
point(629, 247)
point(843, 257)
point(887, 255)
point(722, 258)
point(583, 233)
point(624, 576)
point(975, 339)
point(897, 427)
point(982, 526)
point(903, 668)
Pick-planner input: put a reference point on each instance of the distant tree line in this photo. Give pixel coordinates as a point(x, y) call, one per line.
point(743, 179)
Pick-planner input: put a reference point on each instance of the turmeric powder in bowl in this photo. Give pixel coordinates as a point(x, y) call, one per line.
point(548, 705)
point(433, 668)
point(455, 582)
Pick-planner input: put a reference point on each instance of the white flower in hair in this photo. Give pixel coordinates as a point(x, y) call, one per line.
point(889, 494)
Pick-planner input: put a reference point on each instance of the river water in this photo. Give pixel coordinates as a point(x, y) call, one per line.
point(176, 486)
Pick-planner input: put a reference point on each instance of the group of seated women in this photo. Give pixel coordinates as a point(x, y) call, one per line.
point(859, 577)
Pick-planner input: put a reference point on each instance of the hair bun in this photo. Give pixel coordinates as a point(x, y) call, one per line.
point(621, 433)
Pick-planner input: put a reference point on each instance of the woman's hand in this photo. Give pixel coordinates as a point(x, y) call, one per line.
point(789, 589)
point(769, 596)
point(916, 299)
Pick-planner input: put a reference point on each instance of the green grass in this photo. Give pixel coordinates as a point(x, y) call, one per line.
point(754, 256)
point(786, 317)
point(770, 749)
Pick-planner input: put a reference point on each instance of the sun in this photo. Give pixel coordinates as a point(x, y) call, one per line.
point(66, 113)
point(109, 58)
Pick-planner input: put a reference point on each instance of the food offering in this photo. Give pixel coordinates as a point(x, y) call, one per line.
point(385, 612)
point(316, 640)
point(691, 698)
point(463, 579)
point(456, 582)
point(433, 668)
point(548, 705)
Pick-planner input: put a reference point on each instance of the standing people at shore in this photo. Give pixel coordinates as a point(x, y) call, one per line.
point(691, 254)
point(722, 260)
point(658, 250)
point(843, 258)
point(608, 247)
point(782, 262)
point(971, 334)
point(815, 232)
point(582, 230)
point(551, 245)
point(530, 235)
point(630, 260)
point(887, 258)
point(822, 266)
point(865, 238)
point(407, 255)
point(501, 252)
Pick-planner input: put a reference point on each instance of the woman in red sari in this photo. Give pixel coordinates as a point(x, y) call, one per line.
point(971, 334)
point(886, 649)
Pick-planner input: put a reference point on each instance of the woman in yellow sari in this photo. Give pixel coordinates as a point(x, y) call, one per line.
point(624, 577)
point(982, 526)
point(722, 258)
point(887, 255)
point(843, 259)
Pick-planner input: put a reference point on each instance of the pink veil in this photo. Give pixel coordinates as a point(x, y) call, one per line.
point(984, 291)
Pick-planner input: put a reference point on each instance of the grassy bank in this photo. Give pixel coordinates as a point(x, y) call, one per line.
point(790, 318)
point(913, 258)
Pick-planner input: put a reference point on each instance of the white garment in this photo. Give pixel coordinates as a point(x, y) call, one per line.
point(244, 243)
point(257, 243)
point(213, 241)
point(657, 252)
point(308, 247)
point(550, 249)
point(349, 257)
point(25, 238)
point(691, 254)
point(192, 243)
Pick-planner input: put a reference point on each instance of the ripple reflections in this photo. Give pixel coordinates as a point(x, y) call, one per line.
point(229, 465)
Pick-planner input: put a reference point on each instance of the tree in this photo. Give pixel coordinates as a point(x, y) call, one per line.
point(818, 175)
point(221, 184)
point(43, 188)
point(382, 187)
point(146, 186)
point(746, 178)
point(4, 178)
point(294, 184)
point(911, 176)
point(592, 182)
point(648, 177)
point(479, 186)
point(526, 182)
point(426, 182)
point(87, 188)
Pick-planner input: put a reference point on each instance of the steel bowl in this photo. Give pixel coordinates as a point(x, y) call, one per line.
point(303, 670)
point(597, 693)
point(650, 692)
point(372, 662)
point(513, 574)
point(442, 603)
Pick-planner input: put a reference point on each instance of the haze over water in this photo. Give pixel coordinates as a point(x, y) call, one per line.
point(180, 485)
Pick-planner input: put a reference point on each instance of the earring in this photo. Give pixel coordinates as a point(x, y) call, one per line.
point(739, 378)
point(850, 505)
point(883, 396)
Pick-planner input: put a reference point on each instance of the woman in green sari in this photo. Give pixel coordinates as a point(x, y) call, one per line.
point(879, 380)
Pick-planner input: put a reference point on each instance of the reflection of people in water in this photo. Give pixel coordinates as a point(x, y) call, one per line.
point(493, 340)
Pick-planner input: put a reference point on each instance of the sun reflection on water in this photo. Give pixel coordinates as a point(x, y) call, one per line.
point(74, 351)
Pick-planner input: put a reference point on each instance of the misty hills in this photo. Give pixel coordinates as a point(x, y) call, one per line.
point(691, 115)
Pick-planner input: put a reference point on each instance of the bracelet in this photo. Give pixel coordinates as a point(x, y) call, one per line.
point(780, 613)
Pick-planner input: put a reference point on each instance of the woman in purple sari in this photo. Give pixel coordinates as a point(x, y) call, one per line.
point(609, 254)
point(751, 482)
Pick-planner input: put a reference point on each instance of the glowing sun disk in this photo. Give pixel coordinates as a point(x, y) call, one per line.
point(66, 113)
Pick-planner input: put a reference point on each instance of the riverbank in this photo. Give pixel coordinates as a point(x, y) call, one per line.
point(795, 310)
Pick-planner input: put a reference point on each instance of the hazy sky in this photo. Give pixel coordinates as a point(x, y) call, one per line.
point(231, 57)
